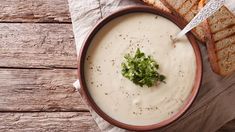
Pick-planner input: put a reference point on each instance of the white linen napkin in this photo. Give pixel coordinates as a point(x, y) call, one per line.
point(230, 4)
point(85, 14)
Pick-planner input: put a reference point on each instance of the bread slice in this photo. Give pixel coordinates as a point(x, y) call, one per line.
point(221, 41)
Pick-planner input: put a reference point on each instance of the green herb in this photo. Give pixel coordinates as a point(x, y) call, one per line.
point(141, 69)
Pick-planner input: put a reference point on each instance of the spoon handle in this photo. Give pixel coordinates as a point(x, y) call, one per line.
point(210, 8)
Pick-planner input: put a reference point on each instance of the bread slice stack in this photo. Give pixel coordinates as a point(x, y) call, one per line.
point(221, 42)
point(219, 33)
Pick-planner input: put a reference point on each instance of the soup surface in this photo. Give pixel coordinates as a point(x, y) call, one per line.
point(120, 98)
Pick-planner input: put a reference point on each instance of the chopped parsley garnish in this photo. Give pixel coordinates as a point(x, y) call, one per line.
point(141, 69)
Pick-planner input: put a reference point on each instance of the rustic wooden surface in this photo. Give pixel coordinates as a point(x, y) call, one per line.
point(38, 67)
point(34, 11)
point(39, 90)
point(35, 45)
point(47, 122)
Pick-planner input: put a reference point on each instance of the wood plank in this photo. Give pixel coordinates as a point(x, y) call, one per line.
point(47, 122)
point(37, 45)
point(34, 11)
point(39, 90)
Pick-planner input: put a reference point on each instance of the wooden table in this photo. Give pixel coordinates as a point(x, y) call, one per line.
point(38, 67)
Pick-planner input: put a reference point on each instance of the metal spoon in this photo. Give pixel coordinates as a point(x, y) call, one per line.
point(210, 8)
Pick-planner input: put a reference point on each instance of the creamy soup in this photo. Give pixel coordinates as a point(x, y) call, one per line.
point(120, 98)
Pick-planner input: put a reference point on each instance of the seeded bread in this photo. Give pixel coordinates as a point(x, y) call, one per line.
point(221, 42)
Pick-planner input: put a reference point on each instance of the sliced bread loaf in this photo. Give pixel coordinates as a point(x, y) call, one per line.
point(221, 41)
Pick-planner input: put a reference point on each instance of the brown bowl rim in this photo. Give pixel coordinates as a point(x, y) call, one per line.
point(85, 93)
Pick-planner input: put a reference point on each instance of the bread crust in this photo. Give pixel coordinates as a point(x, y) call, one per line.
point(209, 42)
point(213, 54)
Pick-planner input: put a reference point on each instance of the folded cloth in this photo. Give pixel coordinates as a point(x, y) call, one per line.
point(230, 4)
point(86, 13)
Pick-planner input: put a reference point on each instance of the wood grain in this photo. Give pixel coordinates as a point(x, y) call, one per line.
point(39, 90)
point(37, 45)
point(30, 94)
point(34, 11)
point(47, 122)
